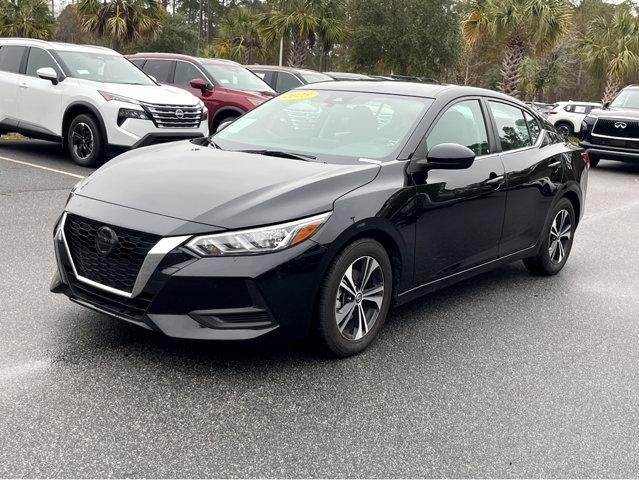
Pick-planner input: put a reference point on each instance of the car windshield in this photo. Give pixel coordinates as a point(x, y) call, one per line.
point(236, 76)
point(315, 77)
point(100, 67)
point(334, 126)
point(627, 99)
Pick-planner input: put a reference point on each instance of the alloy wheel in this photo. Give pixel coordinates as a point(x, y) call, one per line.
point(359, 298)
point(560, 233)
point(563, 129)
point(82, 140)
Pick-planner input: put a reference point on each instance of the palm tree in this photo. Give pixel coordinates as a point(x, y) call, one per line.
point(332, 28)
point(239, 35)
point(26, 18)
point(611, 47)
point(522, 25)
point(122, 20)
point(296, 20)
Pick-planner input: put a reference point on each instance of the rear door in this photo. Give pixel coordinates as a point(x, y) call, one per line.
point(534, 174)
point(11, 63)
point(41, 101)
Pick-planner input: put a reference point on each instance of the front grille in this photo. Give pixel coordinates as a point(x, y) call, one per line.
point(132, 308)
point(615, 128)
point(175, 116)
point(119, 269)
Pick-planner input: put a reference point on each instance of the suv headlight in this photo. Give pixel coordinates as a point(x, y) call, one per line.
point(112, 97)
point(257, 240)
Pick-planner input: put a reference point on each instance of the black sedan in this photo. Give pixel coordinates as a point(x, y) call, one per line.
point(313, 213)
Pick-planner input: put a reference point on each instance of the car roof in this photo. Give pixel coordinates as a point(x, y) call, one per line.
point(414, 89)
point(30, 42)
point(283, 69)
point(188, 58)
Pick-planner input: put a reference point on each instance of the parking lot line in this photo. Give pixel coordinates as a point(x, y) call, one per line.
point(42, 167)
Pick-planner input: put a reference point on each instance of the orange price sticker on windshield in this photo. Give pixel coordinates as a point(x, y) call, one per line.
point(298, 95)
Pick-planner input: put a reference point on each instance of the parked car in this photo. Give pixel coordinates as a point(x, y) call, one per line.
point(283, 79)
point(265, 229)
point(612, 132)
point(227, 88)
point(542, 108)
point(90, 99)
point(344, 76)
point(567, 116)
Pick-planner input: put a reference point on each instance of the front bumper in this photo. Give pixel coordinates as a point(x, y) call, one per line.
point(609, 152)
point(214, 298)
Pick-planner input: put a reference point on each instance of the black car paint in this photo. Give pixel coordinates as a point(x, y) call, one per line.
point(439, 227)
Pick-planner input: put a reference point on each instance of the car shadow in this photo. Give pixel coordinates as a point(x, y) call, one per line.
point(620, 167)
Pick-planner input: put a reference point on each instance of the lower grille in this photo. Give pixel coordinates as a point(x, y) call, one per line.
point(132, 308)
point(617, 128)
point(175, 116)
point(120, 268)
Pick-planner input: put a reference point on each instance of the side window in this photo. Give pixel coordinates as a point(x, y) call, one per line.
point(463, 123)
point(159, 69)
point(260, 73)
point(185, 72)
point(580, 109)
point(138, 62)
point(533, 127)
point(39, 58)
point(286, 81)
point(511, 126)
point(11, 58)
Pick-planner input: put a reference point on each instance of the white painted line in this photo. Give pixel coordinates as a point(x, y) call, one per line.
point(42, 167)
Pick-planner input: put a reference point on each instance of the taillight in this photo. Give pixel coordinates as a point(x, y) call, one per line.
point(586, 158)
point(552, 113)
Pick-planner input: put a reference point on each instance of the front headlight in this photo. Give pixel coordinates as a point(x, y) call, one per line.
point(257, 240)
point(112, 97)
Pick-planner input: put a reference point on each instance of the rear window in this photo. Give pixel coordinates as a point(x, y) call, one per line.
point(11, 58)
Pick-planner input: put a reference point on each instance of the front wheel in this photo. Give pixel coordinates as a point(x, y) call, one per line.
point(557, 242)
point(354, 298)
point(85, 142)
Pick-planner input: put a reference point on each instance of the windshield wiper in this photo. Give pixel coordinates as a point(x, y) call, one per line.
point(278, 153)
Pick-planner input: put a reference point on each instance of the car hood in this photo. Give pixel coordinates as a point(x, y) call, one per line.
point(614, 113)
point(222, 188)
point(162, 94)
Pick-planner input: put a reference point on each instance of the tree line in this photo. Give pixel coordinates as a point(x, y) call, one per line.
point(543, 50)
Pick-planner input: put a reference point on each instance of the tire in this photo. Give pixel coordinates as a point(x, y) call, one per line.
point(222, 118)
point(565, 128)
point(85, 142)
point(347, 335)
point(594, 161)
point(554, 252)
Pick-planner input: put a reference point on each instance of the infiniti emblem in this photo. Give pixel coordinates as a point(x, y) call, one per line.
point(179, 113)
point(106, 241)
point(621, 125)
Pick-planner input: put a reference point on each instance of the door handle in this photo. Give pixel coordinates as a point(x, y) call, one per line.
point(23, 85)
point(555, 164)
point(495, 180)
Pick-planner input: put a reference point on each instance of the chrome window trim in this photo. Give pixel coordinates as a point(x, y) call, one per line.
point(151, 261)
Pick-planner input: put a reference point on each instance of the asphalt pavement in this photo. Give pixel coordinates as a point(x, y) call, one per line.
point(504, 375)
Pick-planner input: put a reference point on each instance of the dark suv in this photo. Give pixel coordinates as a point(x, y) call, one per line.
point(612, 132)
point(227, 88)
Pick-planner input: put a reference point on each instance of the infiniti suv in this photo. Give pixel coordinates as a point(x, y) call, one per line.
point(90, 99)
point(612, 132)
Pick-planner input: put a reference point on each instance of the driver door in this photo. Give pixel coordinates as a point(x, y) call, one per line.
point(460, 212)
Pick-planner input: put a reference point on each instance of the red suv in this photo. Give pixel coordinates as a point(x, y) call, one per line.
point(226, 88)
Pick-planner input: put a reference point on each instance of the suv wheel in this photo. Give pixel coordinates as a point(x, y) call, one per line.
point(557, 241)
point(85, 142)
point(564, 128)
point(354, 298)
point(594, 161)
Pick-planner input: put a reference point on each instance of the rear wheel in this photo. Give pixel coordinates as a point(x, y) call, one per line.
point(565, 128)
point(85, 142)
point(354, 298)
point(557, 242)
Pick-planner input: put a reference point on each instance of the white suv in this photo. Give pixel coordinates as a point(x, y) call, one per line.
point(91, 99)
point(567, 116)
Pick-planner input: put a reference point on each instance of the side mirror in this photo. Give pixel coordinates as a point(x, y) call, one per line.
point(606, 104)
point(445, 156)
point(48, 73)
point(223, 125)
point(200, 84)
